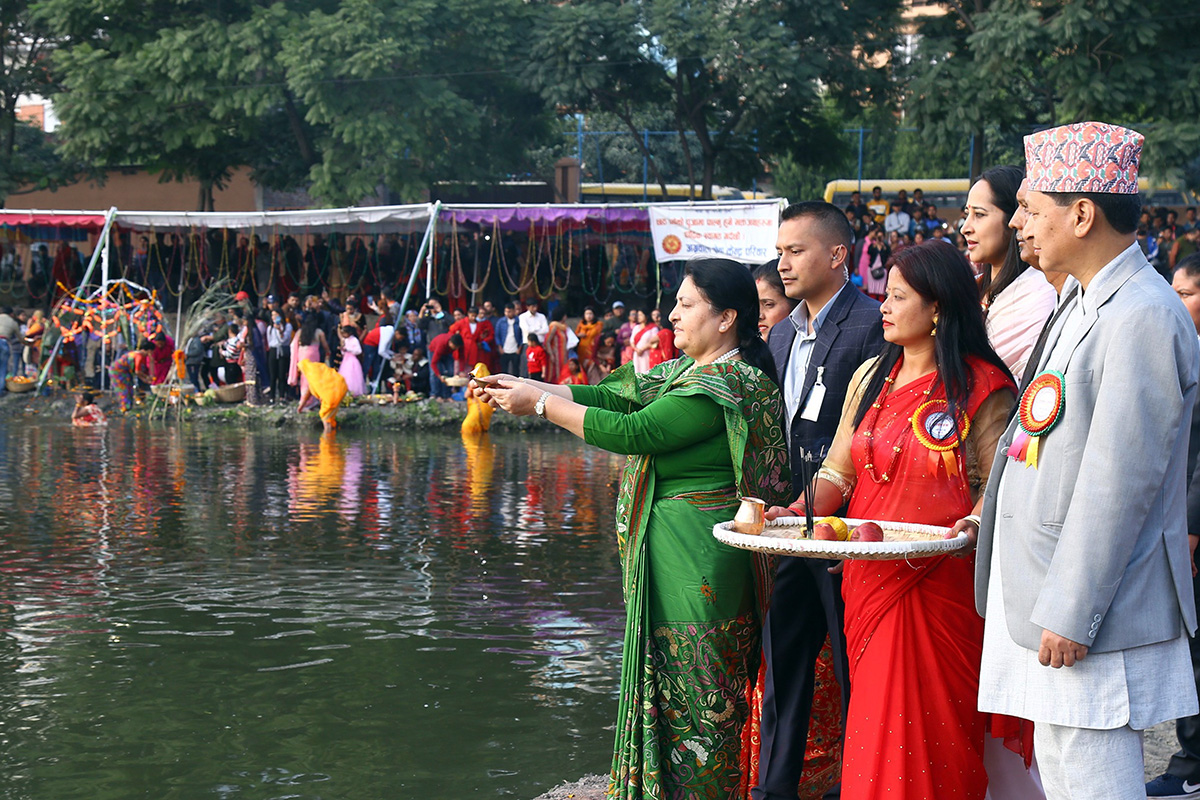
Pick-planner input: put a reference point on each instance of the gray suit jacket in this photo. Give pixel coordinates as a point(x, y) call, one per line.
point(1095, 539)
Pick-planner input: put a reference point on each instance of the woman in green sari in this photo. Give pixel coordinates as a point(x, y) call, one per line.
point(700, 431)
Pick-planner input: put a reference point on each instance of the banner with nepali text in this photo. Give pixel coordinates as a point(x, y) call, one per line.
point(742, 232)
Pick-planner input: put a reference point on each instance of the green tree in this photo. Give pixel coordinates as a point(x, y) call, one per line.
point(24, 156)
point(746, 79)
point(1001, 68)
point(349, 96)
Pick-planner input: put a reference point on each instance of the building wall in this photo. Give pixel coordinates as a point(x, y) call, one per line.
point(137, 190)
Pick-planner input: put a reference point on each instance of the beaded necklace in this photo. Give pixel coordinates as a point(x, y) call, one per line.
point(872, 420)
point(728, 354)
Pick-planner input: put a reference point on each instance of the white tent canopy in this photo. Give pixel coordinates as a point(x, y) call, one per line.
point(380, 219)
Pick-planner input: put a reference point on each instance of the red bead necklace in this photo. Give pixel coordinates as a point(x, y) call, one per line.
point(871, 422)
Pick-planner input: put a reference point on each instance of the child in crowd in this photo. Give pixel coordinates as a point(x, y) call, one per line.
point(606, 357)
point(573, 374)
point(402, 373)
point(231, 349)
point(535, 358)
point(351, 368)
point(420, 368)
point(87, 414)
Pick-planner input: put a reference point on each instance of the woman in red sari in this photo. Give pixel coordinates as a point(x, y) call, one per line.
point(918, 432)
point(162, 358)
point(556, 344)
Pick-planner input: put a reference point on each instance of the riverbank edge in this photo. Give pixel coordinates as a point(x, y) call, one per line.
point(417, 415)
point(589, 787)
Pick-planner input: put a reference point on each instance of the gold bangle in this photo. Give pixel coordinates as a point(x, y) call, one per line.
point(975, 518)
point(846, 487)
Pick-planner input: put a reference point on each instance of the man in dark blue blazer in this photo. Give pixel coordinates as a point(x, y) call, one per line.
point(833, 331)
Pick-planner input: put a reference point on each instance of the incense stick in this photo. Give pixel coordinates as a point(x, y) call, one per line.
point(806, 461)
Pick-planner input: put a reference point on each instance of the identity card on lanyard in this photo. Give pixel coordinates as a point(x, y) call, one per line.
point(816, 397)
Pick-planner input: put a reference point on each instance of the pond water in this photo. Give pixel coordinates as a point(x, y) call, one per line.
point(196, 612)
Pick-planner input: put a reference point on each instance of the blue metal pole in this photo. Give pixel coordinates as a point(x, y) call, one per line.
point(645, 160)
point(754, 181)
point(579, 139)
point(860, 158)
point(600, 163)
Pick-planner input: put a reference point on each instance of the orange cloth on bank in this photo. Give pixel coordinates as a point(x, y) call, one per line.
point(913, 636)
point(325, 384)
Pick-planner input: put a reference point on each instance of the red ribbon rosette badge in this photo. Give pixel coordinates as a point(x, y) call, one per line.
point(1040, 409)
point(936, 430)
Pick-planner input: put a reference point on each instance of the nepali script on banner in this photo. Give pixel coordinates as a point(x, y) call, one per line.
point(741, 232)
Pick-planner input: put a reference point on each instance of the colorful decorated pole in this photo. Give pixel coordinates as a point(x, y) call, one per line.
point(101, 251)
point(103, 293)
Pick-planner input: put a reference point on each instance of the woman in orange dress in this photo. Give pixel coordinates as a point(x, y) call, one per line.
point(588, 330)
point(915, 444)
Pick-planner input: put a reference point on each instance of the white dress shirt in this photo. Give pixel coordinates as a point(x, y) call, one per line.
point(802, 346)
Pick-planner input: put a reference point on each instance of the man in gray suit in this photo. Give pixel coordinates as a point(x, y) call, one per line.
point(830, 334)
point(1083, 571)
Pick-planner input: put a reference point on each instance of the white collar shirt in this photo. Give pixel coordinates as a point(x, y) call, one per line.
point(802, 347)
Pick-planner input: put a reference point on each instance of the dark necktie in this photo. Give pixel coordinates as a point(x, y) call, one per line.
point(1035, 356)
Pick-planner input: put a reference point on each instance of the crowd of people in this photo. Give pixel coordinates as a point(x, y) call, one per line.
point(375, 346)
point(883, 227)
point(423, 352)
point(1030, 394)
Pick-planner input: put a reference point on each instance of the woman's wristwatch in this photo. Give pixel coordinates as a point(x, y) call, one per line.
point(539, 408)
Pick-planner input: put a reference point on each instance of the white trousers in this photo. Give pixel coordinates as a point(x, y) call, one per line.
point(1008, 778)
point(1084, 764)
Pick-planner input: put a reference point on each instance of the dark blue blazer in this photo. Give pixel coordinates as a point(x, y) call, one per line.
point(500, 329)
point(851, 335)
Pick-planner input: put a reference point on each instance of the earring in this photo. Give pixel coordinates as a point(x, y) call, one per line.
point(724, 328)
point(935, 321)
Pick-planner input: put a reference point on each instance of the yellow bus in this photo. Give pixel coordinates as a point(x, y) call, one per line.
point(948, 194)
point(676, 192)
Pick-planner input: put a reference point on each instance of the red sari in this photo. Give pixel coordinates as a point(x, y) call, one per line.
point(666, 348)
point(556, 351)
point(913, 636)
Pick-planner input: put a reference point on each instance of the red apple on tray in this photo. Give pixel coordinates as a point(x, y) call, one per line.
point(825, 532)
point(867, 532)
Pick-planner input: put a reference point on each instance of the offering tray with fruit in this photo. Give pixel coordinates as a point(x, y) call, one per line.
point(787, 536)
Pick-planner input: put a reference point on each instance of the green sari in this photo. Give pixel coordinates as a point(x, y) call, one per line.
point(698, 439)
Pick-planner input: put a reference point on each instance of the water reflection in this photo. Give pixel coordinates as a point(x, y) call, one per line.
point(227, 612)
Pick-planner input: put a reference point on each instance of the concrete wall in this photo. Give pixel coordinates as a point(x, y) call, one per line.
point(137, 190)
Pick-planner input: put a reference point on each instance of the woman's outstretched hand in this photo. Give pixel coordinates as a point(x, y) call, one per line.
point(478, 387)
point(511, 394)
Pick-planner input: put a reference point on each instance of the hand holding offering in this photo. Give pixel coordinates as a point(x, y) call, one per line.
point(513, 395)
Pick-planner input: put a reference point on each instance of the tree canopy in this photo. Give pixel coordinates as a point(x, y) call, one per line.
point(350, 96)
point(26, 155)
point(746, 79)
point(360, 99)
point(1006, 67)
